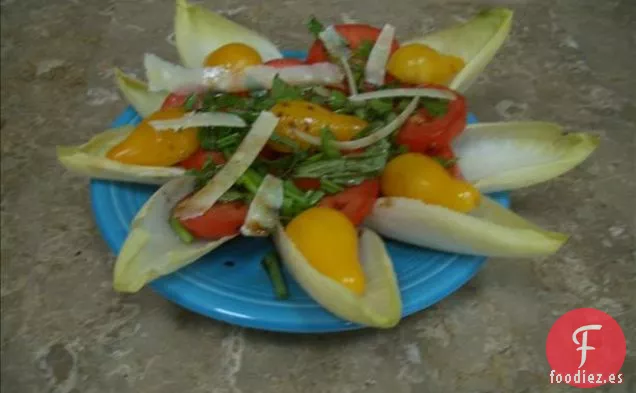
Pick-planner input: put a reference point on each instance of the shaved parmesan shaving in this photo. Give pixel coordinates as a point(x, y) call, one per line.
point(163, 75)
point(334, 43)
point(375, 69)
point(199, 119)
point(337, 47)
point(260, 77)
point(246, 153)
point(417, 92)
point(367, 140)
point(262, 216)
point(166, 76)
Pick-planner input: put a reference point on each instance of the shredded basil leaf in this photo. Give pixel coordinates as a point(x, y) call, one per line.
point(435, 107)
point(364, 49)
point(326, 139)
point(338, 100)
point(381, 107)
point(314, 26)
point(368, 164)
point(284, 91)
point(207, 138)
point(191, 102)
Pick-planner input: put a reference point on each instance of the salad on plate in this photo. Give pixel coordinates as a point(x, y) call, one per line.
point(366, 139)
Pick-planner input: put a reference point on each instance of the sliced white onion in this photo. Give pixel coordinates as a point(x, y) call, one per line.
point(165, 76)
point(246, 153)
point(200, 119)
point(351, 81)
point(367, 140)
point(415, 92)
point(262, 215)
point(375, 68)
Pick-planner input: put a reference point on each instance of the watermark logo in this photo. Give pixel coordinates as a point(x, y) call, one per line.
point(586, 348)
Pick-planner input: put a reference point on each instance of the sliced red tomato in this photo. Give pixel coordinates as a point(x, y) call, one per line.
point(354, 34)
point(174, 101)
point(281, 63)
point(422, 132)
point(200, 157)
point(222, 219)
point(307, 183)
point(355, 202)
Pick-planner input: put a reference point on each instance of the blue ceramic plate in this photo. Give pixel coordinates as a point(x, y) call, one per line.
point(229, 284)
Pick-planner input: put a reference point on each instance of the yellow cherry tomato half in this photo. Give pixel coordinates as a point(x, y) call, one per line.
point(329, 242)
point(147, 146)
point(418, 64)
point(235, 57)
point(312, 118)
point(417, 176)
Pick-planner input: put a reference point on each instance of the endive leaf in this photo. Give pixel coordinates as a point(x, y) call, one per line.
point(475, 41)
point(152, 249)
point(511, 155)
point(380, 305)
point(490, 230)
point(198, 32)
point(137, 94)
point(90, 160)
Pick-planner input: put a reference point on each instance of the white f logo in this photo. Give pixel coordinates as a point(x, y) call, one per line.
point(584, 347)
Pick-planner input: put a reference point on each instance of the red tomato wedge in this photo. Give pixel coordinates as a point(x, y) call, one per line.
point(222, 219)
point(423, 132)
point(200, 157)
point(307, 183)
point(282, 63)
point(355, 202)
point(354, 34)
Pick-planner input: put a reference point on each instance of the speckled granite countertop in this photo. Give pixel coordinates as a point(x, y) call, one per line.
point(64, 330)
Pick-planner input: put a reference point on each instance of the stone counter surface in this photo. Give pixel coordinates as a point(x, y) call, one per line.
point(64, 329)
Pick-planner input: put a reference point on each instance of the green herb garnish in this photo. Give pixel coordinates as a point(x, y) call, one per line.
point(183, 233)
point(191, 102)
point(273, 267)
point(337, 170)
point(364, 49)
point(282, 90)
point(381, 107)
point(285, 141)
point(314, 26)
point(338, 100)
point(326, 139)
point(435, 107)
point(207, 138)
point(329, 187)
